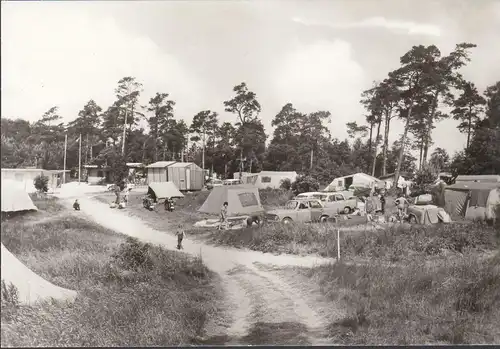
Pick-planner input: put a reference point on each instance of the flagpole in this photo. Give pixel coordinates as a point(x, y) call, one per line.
point(65, 150)
point(80, 159)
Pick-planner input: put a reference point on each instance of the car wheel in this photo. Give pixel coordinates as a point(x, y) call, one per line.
point(413, 219)
point(287, 221)
point(323, 219)
point(347, 210)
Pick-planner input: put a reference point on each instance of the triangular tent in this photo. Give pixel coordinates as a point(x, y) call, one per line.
point(241, 199)
point(163, 190)
point(14, 198)
point(31, 287)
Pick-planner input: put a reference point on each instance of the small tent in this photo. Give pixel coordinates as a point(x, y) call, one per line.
point(241, 199)
point(31, 287)
point(15, 198)
point(163, 190)
point(472, 200)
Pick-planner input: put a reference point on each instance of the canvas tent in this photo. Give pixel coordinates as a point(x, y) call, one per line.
point(472, 200)
point(31, 287)
point(163, 190)
point(241, 199)
point(357, 179)
point(14, 198)
point(427, 214)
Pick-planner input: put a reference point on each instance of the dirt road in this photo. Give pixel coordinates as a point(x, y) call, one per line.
point(258, 300)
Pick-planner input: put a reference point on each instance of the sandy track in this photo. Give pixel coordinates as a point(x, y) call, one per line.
point(254, 295)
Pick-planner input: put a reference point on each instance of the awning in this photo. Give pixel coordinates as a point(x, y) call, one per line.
point(163, 190)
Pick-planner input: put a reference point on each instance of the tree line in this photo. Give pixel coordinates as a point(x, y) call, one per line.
point(417, 92)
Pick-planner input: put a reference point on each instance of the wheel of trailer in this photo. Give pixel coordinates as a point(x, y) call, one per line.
point(347, 210)
point(287, 220)
point(323, 219)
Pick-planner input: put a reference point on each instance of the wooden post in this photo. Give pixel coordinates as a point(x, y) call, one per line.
point(338, 244)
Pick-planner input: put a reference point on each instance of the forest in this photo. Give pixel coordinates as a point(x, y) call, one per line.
point(426, 88)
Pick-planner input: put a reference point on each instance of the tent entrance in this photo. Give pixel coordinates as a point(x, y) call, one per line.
point(348, 182)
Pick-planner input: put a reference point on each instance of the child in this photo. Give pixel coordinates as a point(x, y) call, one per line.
point(76, 205)
point(126, 195)
point(180, 235)
point(401, 203)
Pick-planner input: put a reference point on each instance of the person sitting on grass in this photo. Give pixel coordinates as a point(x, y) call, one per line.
point(180, 235)
point(223, 216)
point(76, 205)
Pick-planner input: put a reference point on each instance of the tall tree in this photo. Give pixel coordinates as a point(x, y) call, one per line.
point(468, 108)
point(87, 124)
point(440, 160)
point(162, 109)
point(204, 126)
point(247, 108)
point(127, 94)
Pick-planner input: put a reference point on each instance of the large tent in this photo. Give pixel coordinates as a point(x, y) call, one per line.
point(164, 190)
point(30, 286)
point(472, 199)
point(15, 198)
point(241, 199)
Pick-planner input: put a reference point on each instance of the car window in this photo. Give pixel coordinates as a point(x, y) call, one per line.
point(331, 198)
point(291, 205)
point(302, 206)
point(314, 204)
point(339, 197)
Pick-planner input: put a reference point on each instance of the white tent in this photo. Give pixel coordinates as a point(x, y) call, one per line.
point(31, 287)
point(14, 198)
point(357, 179)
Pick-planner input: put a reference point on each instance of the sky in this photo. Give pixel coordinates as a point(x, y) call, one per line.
point(317, 55)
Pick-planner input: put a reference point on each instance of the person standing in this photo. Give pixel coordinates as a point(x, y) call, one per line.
point(382, 201)
point(223, 215)
point(180, 236)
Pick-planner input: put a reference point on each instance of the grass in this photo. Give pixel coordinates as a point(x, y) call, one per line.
point(396, 242)
point(453, 302)
point(129, 293)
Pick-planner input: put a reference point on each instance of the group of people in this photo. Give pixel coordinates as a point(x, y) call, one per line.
point(375, 202)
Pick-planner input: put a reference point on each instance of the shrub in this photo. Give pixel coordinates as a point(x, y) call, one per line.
point(304, 184)
point(41, 183)
point(286, 184)
point(10, 300)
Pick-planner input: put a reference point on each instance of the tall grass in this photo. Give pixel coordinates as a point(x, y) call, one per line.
point(454, 302)
point(129, 293)
point(394, 243)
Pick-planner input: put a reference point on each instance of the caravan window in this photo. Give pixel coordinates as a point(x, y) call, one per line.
point(265, 179)
point(248, 199)
point(340, 183)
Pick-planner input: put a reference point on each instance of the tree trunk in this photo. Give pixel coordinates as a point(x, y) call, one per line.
point(386, 141)
point(370, 140)
point(87, 150)
point(430, 121)
point(401, 151)
point(203, 153)
point(469, 128)
point(374, 162)
point(241, 163)
point(311, 160)
point(420, 157)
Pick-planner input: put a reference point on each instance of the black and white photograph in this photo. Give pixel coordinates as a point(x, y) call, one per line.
point(250, 172)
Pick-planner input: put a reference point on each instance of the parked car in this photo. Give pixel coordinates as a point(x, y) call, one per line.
point(341, 202)
point(214, 183)
point(299, 210)
point(231, 182)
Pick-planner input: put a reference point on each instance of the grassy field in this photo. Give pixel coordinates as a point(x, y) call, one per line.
point(451, 301)
point(129, 293)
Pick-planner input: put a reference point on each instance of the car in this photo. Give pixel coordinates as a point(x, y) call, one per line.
point(299, 210)
point(341, 202)
point(231, 182)
point(214, 183)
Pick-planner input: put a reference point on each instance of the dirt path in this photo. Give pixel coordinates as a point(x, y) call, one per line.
point(261, 306)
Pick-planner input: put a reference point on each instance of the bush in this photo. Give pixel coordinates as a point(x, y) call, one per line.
point(10, 300)
point(41, 183)
point(304, 184)
point(286, 184)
